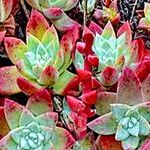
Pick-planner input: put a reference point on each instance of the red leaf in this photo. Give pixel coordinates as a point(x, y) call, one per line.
point(75, 104)
point(108, 142)
point(27, 86)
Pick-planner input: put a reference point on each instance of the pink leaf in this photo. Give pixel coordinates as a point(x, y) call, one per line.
point(75, 104)
point(61, 21)
point(12, 110)
point(62, 139)
point(15, 48)
point(129, 88)
point(40, 102)
point(8, 80)
point(125, 28)
point(26, 86)
point(109, 76)
point(37, 24)
point(48, 76)
point(104, 99)
point(145, 88)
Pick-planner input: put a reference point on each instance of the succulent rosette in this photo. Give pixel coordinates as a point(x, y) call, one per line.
point(145, 21)
point(114, 51)
point(44, 4)
point(42, 60)
point(34, 127)
point(109, 12)
point(125, 114)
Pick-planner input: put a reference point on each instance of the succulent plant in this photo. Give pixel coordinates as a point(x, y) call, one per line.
point(42, 60)
point(128, 116)
point(109, 12)
point(44, 4)
point(113, 51)
point(34, 126)
point(145, 21)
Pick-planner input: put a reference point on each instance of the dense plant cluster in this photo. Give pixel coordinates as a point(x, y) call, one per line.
point(74, 75)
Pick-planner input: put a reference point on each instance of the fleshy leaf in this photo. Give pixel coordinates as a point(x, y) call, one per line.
point(121, 133)
point(125, 28)
point(108, 31)
point(104, 99)
point(131, 142)
point(37, 24)
point(27, 87)
point(61, 83)
point(48, 119)
point(119, 110)
point(104, 125)
point(15, 48)
point(48, 76)
point(108, 142)
point(3, 123)
point(62, 139)
point(87, 143)
point(7, 143)
point(61, 21)
point(26, 118)
point(144, 127)
point(12, 110)
point(129, 88)
point(145, 88)
point(40, 102)
point(5, 9)
point(8, 80)
point(109, 76)
point(144, 110)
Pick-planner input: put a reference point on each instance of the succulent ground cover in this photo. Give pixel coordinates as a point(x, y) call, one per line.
point(74, 75)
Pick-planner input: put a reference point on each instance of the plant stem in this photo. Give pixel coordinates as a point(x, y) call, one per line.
point(133, 10)
point(85, 13)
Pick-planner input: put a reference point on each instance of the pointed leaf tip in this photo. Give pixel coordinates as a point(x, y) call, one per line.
point(129, 88)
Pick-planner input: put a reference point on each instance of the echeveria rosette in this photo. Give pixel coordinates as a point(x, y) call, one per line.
point(145, 21)
point(109, 12)
point(114, 51)
point(128, 123)
point(128, 116)
point(34, 127)
point(44, 4)
point(42, 60)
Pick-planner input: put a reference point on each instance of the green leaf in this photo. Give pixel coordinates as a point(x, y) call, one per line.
point(78, 61)
point(48, 119)
point(121, 133)
point(62, 139)
point(63, 81)
point(108, 31)
point(144, 127)
point(131, 142)
point(13, 113)
point(26, 118)
point(119, 110)
point(104, 125)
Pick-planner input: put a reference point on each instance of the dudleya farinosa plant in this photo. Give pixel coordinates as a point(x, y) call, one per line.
point(34, 127)
point(112, 50)
point(42, 60)
point(128, 117)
